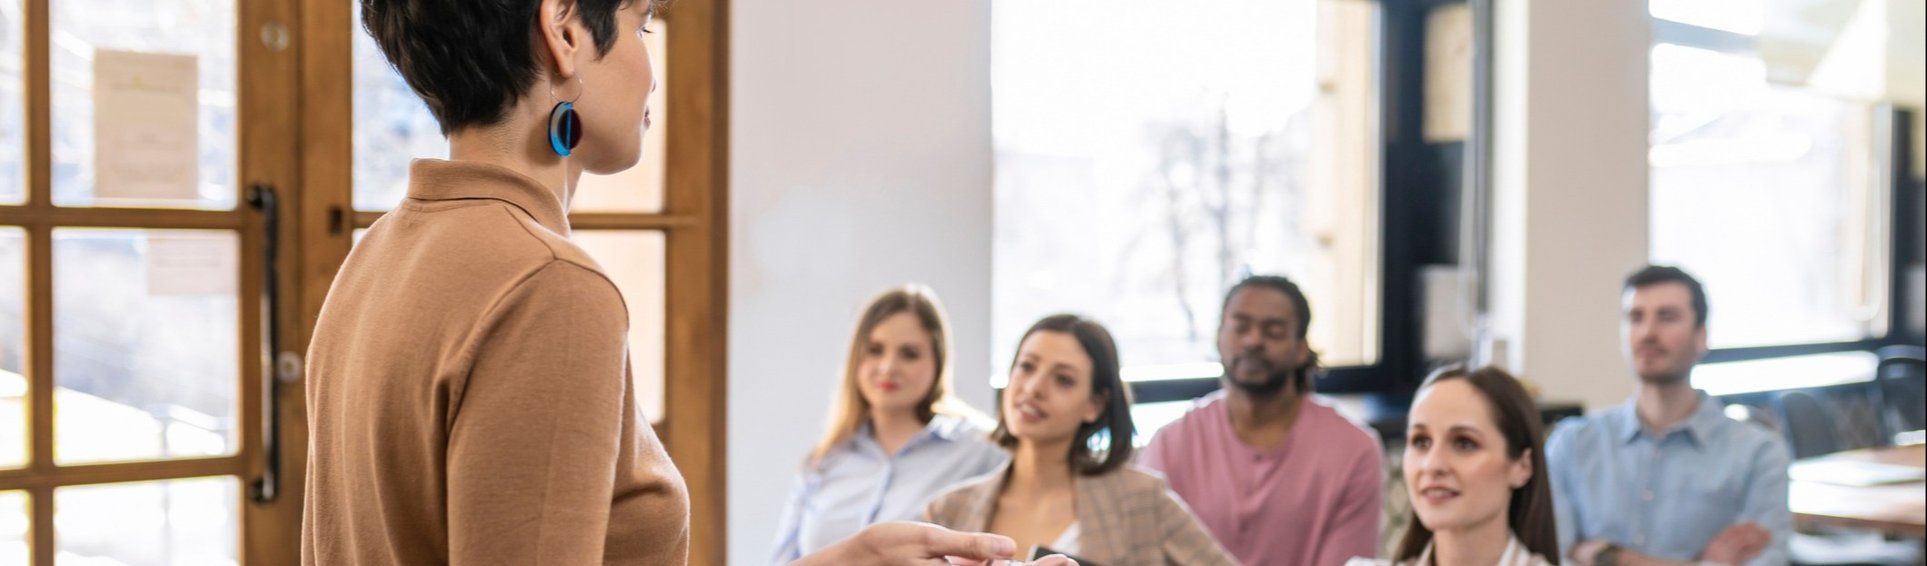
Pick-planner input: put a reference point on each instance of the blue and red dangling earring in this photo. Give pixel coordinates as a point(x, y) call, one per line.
point(565, 124)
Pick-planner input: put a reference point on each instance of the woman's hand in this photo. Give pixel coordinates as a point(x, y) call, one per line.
point(1052, 560)
point(921, 543)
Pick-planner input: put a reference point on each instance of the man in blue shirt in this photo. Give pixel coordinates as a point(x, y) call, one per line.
point(1666, 478)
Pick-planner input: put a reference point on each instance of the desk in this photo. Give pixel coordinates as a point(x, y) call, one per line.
point(1896, 509)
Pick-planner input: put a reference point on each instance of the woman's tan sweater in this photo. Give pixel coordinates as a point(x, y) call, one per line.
point(469, 393)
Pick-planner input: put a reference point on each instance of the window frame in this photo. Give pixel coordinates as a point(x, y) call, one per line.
point(264, 156)
point(1407, 188)
point(1903, 196)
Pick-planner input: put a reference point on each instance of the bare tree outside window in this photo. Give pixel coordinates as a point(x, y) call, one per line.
point(1150, 155)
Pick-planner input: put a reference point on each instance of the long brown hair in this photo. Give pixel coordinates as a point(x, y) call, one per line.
point(1107, 381)
point(848, 407)
point(1530, 514)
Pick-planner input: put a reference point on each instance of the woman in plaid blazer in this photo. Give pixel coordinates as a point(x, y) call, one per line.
point(1058, 492)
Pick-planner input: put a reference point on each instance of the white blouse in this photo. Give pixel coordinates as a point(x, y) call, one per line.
point(1515, 555)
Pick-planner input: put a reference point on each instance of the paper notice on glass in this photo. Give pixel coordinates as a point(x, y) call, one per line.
point(191, 263)
point(146, 114)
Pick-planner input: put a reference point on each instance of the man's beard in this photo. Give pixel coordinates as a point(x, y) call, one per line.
point(1667, 378)
point(1664, 377)
point(1276, 378)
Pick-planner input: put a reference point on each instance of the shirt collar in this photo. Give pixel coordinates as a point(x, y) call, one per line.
point(1711, 414)
point(946, 427)
point(438, 180)
point(941, 427)
point(1515, 553)
point(1696, 428)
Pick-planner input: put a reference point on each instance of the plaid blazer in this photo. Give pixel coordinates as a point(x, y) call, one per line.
point(1127, 517)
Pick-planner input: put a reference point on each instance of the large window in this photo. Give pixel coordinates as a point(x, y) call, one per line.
point(1773, 180)
point(1772, 194)
point(1768, 194)
point(1138, 176)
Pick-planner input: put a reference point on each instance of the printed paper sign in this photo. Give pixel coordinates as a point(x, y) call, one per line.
point(191, 263)
point(146, 138)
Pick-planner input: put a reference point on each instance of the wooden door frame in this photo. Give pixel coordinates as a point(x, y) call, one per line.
point(264, 155)
point(696, 184)
point(693, 221)
point(269, 82)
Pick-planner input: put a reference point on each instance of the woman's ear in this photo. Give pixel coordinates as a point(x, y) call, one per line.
point(559, 33)
point(1521, 470)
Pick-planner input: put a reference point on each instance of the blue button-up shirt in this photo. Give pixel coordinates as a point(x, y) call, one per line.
point(1667, 495)
point(857, 484)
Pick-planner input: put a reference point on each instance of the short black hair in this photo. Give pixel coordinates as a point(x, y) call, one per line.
point(470, 60)
point(1106, 380)
point(1299, 303)
point(1657, 274)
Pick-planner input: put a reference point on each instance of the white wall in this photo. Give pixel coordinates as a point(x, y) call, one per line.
point(859, 159)
point(1570, 189)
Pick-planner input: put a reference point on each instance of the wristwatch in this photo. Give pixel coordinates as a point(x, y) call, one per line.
point(1608, 556)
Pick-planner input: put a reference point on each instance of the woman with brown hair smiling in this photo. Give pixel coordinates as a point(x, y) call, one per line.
point(1060, 492)
point(1475, 469)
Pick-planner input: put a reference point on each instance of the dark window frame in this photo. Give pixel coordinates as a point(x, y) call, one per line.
point(1904, 197)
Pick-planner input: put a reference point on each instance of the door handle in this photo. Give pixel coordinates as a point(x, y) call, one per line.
point(277, 366)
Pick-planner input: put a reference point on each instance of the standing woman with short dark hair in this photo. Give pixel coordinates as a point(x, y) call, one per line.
point(468, 382)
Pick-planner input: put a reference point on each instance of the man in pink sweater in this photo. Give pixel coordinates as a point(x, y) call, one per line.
point(1278, 477)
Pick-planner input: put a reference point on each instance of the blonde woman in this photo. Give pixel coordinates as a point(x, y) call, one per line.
point(895, 437)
